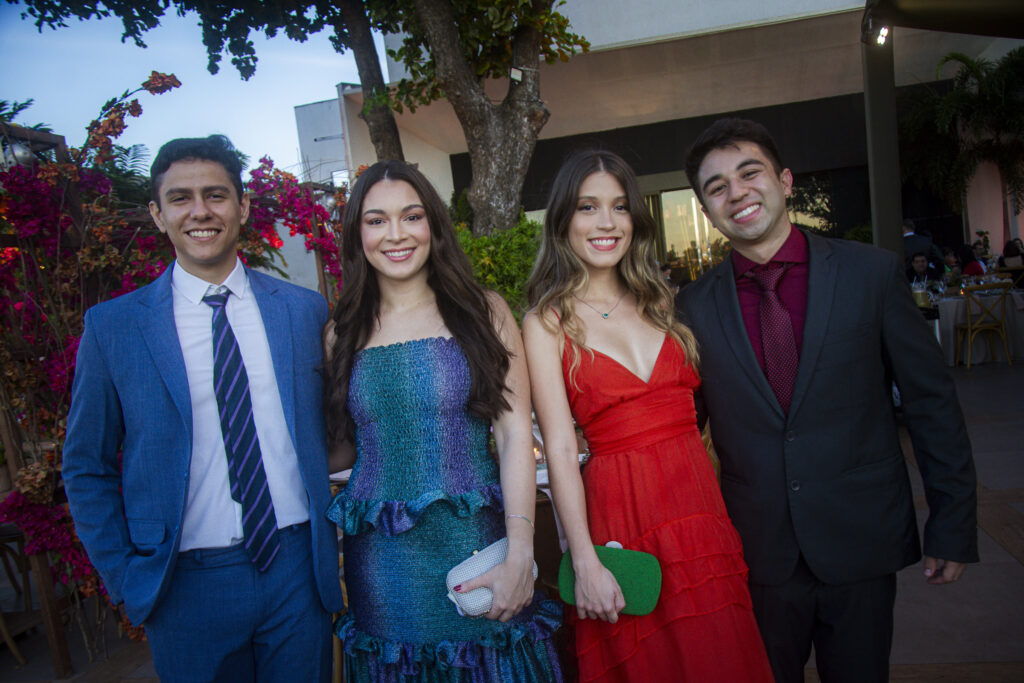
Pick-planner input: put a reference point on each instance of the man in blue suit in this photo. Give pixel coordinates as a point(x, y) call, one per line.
point(195, 460)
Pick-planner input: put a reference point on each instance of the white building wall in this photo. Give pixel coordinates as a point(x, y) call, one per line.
point(609, 24)
point(322, 154)
point(434, 163)
point(321, 140)
point(299, 264)
point(616, 23)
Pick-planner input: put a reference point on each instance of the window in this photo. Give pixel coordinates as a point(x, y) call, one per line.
point(692, 244)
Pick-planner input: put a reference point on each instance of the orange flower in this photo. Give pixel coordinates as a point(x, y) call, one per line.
point(160, 83)
point(56, 173)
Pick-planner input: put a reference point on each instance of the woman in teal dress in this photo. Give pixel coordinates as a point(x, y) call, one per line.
point(422, 362)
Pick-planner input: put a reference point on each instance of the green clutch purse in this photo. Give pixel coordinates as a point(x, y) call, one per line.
point(638, 574)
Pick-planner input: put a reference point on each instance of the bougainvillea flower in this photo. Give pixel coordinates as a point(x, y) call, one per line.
point(159, 83)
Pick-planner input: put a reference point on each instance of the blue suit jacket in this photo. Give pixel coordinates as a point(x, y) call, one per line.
point(131, 394)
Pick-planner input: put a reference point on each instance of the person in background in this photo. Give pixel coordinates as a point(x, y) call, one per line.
point(195, 461)
point(980, 255)
point(970, 266)
point(915, 242)
point(951, 264)
point(920, 270)
point(1013, 254)
point(801, 338)
point(1012, 261)
point(604, 349)
point(666, 272)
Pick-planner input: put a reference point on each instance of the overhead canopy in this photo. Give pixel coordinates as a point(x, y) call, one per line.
point(692, 76)
point(998, 18)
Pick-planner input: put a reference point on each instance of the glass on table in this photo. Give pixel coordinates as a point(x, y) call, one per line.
point(920, 292)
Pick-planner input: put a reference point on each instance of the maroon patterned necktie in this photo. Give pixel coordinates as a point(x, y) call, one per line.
point(777, 340)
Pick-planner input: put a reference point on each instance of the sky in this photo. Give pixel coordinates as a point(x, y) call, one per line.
point(70, 72)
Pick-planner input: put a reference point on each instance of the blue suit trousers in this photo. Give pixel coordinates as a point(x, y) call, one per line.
point(221, 620)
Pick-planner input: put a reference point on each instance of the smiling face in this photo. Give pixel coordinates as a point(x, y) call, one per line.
point(746, 199)
point(395, 232)
point(601, 228)
point(201, 213)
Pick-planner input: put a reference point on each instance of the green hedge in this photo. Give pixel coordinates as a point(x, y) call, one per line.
point(502, 261)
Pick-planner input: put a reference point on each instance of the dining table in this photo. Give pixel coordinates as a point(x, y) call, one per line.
point(953, 311)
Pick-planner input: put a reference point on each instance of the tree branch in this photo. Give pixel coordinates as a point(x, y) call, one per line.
point(459, 82)
point(377, 110)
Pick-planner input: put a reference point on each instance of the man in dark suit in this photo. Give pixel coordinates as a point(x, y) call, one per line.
point(195, 461)
point(800, 340)
point(914, 243)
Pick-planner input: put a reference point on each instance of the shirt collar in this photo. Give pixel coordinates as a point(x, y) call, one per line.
point(195, 288)
point(793, 250)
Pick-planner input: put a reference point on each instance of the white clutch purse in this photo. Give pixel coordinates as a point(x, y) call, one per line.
point(477, 601)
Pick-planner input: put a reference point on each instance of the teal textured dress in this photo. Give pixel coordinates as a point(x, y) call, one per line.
point(423, 495)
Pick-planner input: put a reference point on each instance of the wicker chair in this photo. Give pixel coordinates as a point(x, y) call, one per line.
point(986, 312)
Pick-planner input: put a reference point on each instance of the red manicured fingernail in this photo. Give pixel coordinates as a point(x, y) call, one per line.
point(458, 589)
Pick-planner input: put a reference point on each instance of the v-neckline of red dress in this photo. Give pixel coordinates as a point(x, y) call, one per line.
point(654, 368)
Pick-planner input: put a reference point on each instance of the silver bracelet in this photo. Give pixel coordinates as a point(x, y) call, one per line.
point(508, 517)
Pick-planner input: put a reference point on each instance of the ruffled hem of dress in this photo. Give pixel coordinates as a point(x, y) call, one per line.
point(681, 601)
point(607, 649)
point(392, 517)
point(691, 550)
point(448, 654)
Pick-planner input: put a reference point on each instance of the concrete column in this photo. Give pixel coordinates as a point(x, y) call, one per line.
point(883, 149)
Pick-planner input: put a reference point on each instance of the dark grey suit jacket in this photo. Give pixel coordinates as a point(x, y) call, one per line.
point(829, 480)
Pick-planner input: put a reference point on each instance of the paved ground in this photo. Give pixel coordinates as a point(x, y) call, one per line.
point(969, 632)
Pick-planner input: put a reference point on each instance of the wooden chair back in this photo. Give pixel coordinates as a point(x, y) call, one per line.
point(986, 305)
point(1016, 274)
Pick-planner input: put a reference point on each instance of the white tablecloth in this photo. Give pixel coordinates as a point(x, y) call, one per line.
point(954, 311)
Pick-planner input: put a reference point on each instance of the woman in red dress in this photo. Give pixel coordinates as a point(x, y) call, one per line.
point(604, 348)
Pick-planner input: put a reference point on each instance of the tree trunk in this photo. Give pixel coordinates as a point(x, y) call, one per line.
point(376, 111)
point(500, 138)
point(499, 154)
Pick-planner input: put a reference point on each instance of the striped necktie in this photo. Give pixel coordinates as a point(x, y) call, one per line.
point(241, 443)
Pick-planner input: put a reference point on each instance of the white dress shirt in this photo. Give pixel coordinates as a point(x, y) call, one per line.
point(212, 518)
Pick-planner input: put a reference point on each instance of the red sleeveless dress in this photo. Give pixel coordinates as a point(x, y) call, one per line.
point(650, 485)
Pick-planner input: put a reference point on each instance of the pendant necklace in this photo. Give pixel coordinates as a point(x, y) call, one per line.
point(603, 315)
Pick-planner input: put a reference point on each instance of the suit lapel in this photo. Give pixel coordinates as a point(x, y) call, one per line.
point(821, 284)
point(727, 305)
point(277, 325)
point(155, 319)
